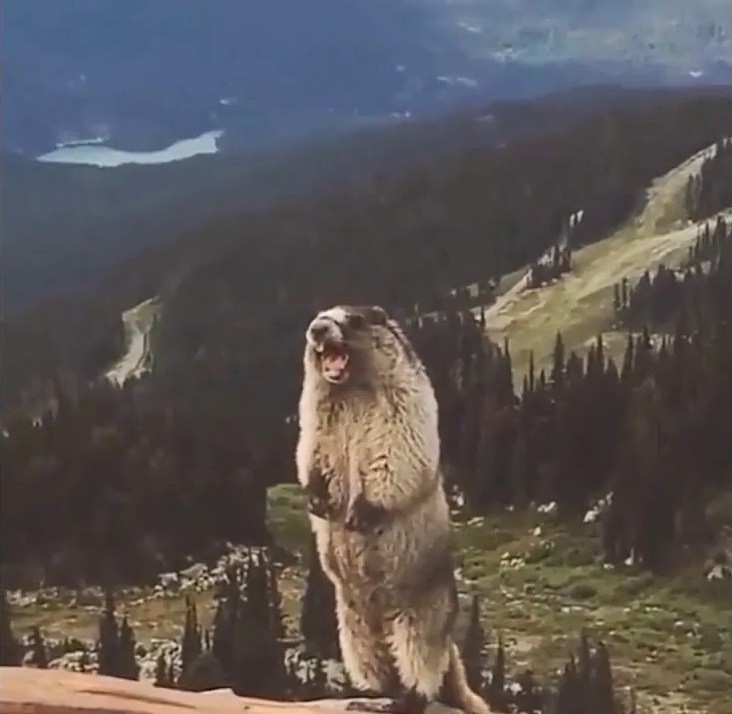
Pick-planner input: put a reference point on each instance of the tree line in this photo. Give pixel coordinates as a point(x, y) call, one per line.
point(244, 651)
point(710, 189)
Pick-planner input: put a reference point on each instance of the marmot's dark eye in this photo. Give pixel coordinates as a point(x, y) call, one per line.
point(357, 321)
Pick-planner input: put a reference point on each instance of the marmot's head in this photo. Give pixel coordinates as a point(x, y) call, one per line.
point(355, 345)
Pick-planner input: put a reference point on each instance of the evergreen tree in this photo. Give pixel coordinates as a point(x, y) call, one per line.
point(10, 649)
point(603, 693)
point(191, 642)
point(108, 642)
point(39, 656)
point(495, 690)
point(257, 657)
point(161, 671)
point(318, 624)
point(225, 619)
point(473, 648)
point(172, 682)
point(127, 667)
point(204, 673)
point(557, 374)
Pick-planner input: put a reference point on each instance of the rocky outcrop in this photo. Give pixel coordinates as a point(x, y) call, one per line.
point(33, 691)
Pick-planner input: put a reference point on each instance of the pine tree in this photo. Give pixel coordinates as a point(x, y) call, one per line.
point(557, 374)
point(257, 655)
point(603, 694)
point(108, 643)
point(127, 667)
point(39, 656)
point(161, 671)
point(10, 650)
point(532, 379)
point(172, 683)
point(204, 673)
point(225, 619)
point(473, 648)
point(566, 699)
point(495, 690)
point(318, 620)
point(626, 371)
point(584, 668)
point(191, 642)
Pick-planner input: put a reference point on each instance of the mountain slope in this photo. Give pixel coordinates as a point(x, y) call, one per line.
point(236, 292)
point(580, 304)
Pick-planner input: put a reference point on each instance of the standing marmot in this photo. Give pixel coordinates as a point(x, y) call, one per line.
point(368, 456)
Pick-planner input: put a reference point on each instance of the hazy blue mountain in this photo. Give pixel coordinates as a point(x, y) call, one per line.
point(142, 74)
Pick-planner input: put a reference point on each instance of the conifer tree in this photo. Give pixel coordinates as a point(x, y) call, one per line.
point(604, 696)
point(225, 619)
point(127, 667)
point(39, 656)
point(191, 642)
point(10, 650)
point(161, 671)
point(473, 648)
point(318, 624)
point(557, 374)
point(495, 690)
point(108, 642)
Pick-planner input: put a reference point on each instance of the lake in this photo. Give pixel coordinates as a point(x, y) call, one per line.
point(96, 154)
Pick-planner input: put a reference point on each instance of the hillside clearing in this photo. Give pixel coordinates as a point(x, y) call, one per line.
point(138, 322)
point(580, 305)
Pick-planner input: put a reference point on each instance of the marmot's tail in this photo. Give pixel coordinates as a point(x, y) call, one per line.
point(456, 692)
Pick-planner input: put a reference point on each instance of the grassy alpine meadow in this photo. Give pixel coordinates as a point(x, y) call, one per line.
point(539, 582)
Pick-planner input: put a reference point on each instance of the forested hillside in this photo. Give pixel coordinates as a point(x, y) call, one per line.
point(95, 219)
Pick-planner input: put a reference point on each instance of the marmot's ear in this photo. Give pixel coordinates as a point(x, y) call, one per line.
point(377, 315)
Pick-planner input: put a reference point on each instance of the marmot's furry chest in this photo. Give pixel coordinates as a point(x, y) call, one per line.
point(396, 557)
point(353, 436)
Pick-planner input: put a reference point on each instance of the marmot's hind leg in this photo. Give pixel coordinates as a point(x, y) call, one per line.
point(365, 654)
point(420, 640)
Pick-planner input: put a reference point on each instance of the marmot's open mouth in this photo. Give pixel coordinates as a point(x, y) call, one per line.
point(333, 362)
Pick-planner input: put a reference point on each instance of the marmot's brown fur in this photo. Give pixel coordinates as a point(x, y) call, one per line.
point(368, 456)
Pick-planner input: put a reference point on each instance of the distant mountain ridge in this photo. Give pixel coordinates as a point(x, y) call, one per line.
point(145, 74)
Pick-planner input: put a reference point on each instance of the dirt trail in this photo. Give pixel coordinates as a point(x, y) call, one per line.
point(138, 322)
point(580, 305)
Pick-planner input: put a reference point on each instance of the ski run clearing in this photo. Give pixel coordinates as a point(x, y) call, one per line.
point(137, 359)
point(580, 304)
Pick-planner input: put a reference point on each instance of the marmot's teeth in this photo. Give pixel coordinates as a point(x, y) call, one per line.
point(320, 348)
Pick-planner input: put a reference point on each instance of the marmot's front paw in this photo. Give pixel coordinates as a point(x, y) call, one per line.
point(318, 497)
point(317, 506)
point(363, 515)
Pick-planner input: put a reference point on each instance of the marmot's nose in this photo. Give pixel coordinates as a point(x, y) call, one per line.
point(318, 332)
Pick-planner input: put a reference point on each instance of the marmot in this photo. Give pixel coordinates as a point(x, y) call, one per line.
point(368, 457)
